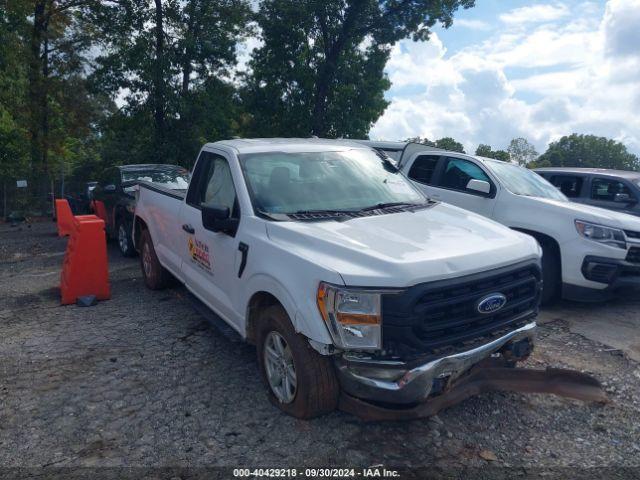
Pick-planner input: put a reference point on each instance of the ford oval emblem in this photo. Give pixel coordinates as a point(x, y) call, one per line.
point(492, 303)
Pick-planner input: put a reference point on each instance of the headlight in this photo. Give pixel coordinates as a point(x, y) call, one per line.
point(598, 233)
point(354, 317)
point(131, 208)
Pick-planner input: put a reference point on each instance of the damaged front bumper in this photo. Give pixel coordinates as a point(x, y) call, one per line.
point(396, 382)
point(392, 390)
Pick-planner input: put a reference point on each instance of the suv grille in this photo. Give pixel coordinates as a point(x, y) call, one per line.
point(632, 234)
point(634, 255)
point(440, 315)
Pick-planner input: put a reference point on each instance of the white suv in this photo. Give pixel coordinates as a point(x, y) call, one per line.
point(589, 253)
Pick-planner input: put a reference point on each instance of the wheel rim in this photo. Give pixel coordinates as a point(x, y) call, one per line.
point(281, 372)
point(146, 260)
point(122, 239)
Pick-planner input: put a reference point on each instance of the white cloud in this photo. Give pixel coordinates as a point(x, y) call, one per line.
point(472, 24)
point(535, 13)
point(541, 81)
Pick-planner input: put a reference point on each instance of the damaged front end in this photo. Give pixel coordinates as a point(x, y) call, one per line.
point(375, 389)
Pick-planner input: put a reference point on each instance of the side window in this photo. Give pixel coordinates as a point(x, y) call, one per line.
point(423, 168)
point(606, 189)
point(458, 172)
point(213, 183)
point(570, 185)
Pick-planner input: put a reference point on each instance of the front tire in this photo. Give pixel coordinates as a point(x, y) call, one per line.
point(300, 381)
point(156, 277)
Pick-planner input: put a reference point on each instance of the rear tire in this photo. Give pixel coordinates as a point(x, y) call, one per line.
point(156, 277)
point(551, 273)
point(315, 387)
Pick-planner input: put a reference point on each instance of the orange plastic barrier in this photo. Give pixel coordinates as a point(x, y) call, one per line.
point(64, 217)
point(85, 270)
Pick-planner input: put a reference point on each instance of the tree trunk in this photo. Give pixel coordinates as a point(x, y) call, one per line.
point(327, 72)
point(186, 74)
point(35, 82)
point(158, 80)
point(44, 105)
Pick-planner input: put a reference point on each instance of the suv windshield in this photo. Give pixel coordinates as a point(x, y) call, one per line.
point(520, 181)
point(348, 180)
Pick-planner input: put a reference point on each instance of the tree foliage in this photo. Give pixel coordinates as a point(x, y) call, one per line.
point(320, 69)
point(521, 151)
point(445, 143)
point(588, 151)
point(172, 60)
point(448, 143)
point(86, 84)
point(486, 151)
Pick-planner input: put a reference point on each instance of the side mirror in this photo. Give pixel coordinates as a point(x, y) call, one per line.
point(111, 188)
point(622, 198)
point(479, 186)
point(217, 218)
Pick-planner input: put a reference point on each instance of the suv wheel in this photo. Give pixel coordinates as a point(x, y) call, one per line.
point(125, 243)
point(301, 382)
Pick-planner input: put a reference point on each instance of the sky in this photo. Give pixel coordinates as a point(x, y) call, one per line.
point(512, 68)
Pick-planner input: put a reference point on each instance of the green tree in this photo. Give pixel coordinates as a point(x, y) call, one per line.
point(588, 151)
point(486, 151)
point(169, 57)
point(320, 69)
point(448, 143)
point(14, 135)
point(423, 141)
point(47, 116)
point(445, 143)
point(521, 151)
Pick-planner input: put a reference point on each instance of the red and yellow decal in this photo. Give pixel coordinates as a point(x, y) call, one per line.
point(199, 253)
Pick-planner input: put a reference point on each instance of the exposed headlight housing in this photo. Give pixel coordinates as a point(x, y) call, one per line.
point(354, 317)
point(599, 233)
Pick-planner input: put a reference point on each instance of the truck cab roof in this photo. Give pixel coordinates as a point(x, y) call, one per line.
point(262, 145)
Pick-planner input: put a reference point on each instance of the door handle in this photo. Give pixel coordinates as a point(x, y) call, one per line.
point(188, 228)
point(244, 250)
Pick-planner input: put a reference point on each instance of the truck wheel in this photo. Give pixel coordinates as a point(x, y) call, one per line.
point(125, 243)
point(156, 277)
point(301, 382)
point(551, 273)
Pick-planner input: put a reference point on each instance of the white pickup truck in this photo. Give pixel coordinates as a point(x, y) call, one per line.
point(589, 253)
point(344, 275)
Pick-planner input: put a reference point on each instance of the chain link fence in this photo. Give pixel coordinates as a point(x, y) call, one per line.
point(27, 198)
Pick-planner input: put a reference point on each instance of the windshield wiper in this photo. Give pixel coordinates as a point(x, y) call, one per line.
point(323, 212)
point(382, 206)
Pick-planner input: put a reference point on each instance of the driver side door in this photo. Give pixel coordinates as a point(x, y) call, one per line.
point(210, 260)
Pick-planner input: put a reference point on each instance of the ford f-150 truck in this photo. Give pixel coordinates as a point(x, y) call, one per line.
point(347, 279)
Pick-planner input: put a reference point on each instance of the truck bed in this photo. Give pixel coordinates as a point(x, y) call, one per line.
point(178, 194)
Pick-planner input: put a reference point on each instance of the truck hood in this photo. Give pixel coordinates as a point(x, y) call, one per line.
point(402, 249)
point(588, 213)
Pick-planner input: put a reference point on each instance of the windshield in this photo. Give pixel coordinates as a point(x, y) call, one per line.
point(173, 179)
point(349, 180)
point(520, 181)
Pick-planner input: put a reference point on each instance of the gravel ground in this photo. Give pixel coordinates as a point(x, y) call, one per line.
point(142, 380)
